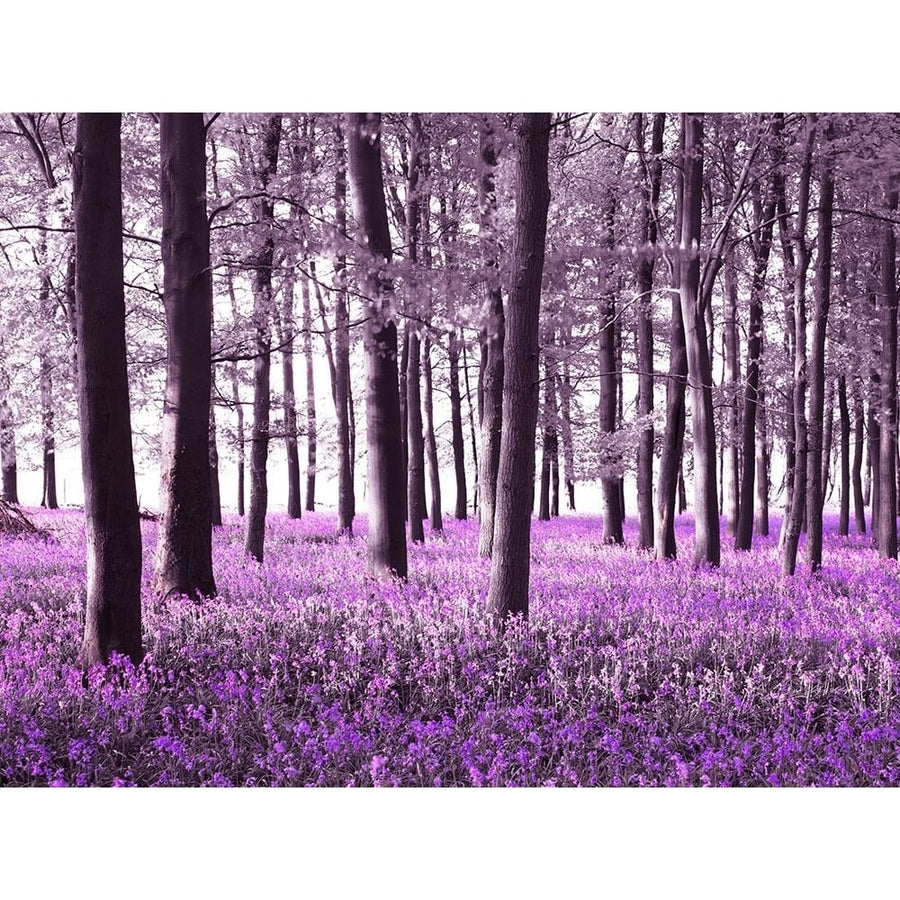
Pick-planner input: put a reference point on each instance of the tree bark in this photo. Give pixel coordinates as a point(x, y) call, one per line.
point(183, 562)
point(311, 428)
point(886, 525)
point(815, 492)
point(651, 179)
point(255, 531)
point(731, 445)
point(113, 608)
point(610, 460)
point(801, 264)
point(706, 507)
point(434, 472)
point(343, 405)
point(762, 468)
point(48, 495)
point(844, 413)
point(289, 399)
point(8, 461)
point(458, 440)
point(859, 440)
point(492, 337)
point(387, 537)
point(215, 491)
point(510, 562)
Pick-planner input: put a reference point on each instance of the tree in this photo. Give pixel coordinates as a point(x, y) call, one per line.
point(255, 532)
point(113, 607)
point(706, 507)
point(387, 536)
point(508, 590)
point(492, 337)
point(184, 549)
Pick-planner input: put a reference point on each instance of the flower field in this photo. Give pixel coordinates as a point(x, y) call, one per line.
point(305, 672)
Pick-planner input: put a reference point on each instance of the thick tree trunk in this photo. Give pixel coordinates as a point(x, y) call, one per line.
point(815, 491)
point(343, 404)
point(885, 526)
point(434, 472)
point(183, 562)
point(255, 531)
point(311, 429)
point(510, 560)
point(113, 609)
point(387, 537)
point(289, 401)
point(706, 506)
point(492, 336)
point(458, 440)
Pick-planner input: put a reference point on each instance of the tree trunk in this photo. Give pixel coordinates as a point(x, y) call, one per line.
point(731, 445)
point(8, 453)
point(510, 560)
point(289, 402)
point(802, 256)
point(255, 532)
point(113, 609)
point(343, 404)
point(492, 335)
point(459, 461)
point(48, 495)
point(311, 431)
point(434, 472)
point(844, 412)
point(815, 493)
point(387, 537)
point(706, 507)
point(886, 524)
point(476, 496)
point(183, 562)
point(565, 402)
point(215, 491)
point(610, 460)
point(415, 442)
point(762, 468)
point(651, 172)
point(240, 437)
point(859, 440)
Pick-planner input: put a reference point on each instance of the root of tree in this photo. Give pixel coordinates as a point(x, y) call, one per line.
point(14, 522)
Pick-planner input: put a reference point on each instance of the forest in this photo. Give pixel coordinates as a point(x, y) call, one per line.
point(449, 449)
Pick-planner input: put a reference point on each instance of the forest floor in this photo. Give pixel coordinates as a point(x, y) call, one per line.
point(305, 672)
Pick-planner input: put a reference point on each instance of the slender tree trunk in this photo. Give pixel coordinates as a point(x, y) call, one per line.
point(214, 486)
point(815, 493)
point(387, 538)
point(565, 401)
point(733, 497)
point(255, 532)
point(874, 453)
point(289, 402)
point(311, 430)
point(343, 403)
point(886, 524)
point(802, 255)
point(240, 437)
point(609, 459)
point(762, 468)
point(183, 562)
point(416, 511)
point(828, 444)
point(670, 463)
point(651, 170)
point(113, 609)
point(8, 453)
point(859, 440)
point(458, 441)
point(706, 506)
point(510, 560)
point(492, 335)
point(48, 496)
point(844, 412)
point(434, 473)
point(476, 496)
